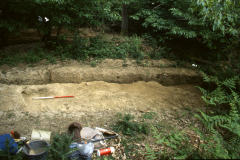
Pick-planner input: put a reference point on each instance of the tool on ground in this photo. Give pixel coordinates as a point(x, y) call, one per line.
point(31, 151)
point(52, 97)
point(98, 139)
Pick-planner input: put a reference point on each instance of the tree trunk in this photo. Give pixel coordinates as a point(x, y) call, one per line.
point(124, 27)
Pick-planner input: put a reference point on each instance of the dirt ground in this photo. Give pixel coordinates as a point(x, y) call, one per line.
point(99, 93)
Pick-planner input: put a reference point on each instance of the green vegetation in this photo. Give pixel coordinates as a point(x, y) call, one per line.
point(98, 47)
point(59, 148)
point(32, 56)
point(127, 126)
point(203, 32)
point(93, 64)
point(81, 49)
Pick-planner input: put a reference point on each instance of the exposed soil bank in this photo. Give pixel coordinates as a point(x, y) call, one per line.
point(111, 71)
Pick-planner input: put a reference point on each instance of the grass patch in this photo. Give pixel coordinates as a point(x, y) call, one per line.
point(93, 64)
point(32, 56)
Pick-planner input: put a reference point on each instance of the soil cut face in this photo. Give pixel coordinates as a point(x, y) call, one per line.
point(112, 71)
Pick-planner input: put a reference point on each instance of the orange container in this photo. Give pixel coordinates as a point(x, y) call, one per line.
point(105, 151)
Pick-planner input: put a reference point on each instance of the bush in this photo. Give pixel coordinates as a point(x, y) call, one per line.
point(60, 146)
point(93, 64)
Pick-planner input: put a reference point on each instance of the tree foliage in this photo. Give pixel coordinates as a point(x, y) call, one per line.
point(23, 14)
point(214, 23)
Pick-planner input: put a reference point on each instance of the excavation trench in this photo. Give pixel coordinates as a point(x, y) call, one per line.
point(97, 89)
point(99, 93)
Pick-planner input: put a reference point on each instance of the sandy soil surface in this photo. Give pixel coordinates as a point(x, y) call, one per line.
point(96, 97)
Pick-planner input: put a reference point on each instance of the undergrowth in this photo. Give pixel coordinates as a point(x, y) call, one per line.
point(128, 126)
point(59, 148)
point(132, 131)
point(101, 47)
point(32, 56)
point(219, 135)
point(80, 48)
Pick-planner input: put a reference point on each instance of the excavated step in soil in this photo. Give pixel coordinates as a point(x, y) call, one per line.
point(111, 71)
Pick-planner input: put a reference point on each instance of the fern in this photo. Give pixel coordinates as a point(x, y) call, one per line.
point(212, 146)
point(230, 83)
point(204, 92)
point(150, 153)
point(209, 79)
point(181, 157)
point(217, 146)
point(177, 142)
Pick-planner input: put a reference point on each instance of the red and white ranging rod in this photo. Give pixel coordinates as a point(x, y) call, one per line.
point(52, 97)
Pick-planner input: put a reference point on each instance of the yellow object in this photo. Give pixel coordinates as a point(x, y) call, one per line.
point(17, 140)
